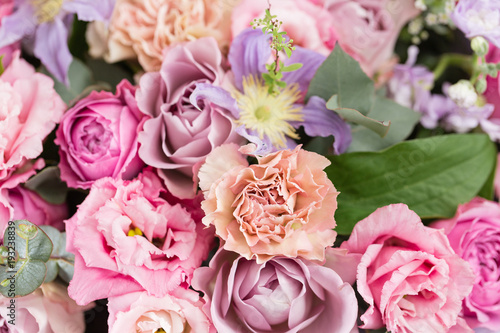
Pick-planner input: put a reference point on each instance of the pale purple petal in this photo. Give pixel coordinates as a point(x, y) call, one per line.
point(478, 18)
point(51, 47)
point(216, 95)
point(90, 10)
point(248, 55)
point(310, 61)
point(319, 121)
point(263, 147)
point(17, 25)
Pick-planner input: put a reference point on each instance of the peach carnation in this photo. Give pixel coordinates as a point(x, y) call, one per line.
point(284, 205)
point(144, 28)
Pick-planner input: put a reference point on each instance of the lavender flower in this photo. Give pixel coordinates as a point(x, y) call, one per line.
point(46, 23)
point(478, 18)
point(270, 121)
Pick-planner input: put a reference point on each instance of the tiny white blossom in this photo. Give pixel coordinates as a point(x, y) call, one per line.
point(463, 94)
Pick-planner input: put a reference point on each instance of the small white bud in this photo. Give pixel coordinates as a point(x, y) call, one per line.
point(463, 94)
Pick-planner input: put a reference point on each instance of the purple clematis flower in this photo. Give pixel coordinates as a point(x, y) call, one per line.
point(270, 120)
point(44, 24)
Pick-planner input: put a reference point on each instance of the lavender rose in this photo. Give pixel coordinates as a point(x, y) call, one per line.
point(185, 126)
point(281, 295)
point(98, 138)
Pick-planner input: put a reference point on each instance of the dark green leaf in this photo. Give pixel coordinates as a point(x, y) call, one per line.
point(432, 176)
point(48, 184)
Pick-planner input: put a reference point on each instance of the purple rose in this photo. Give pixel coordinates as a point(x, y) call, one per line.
point(281, 295)
point(478, 18)
point(98, 138)
point(185, 125)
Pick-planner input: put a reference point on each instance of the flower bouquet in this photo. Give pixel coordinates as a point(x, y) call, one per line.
point(249, 166)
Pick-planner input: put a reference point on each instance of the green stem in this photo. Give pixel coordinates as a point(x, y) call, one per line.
point(453, 59)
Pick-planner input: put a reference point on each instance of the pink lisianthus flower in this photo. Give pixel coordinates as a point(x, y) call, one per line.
point(409, 275)
point(284, 205)
point(47, 310)
point(184, 124)
point(30, 108)
point(368, 29)
point(132, 235)
point(177, 312)
point(280, 295)
point(305, 21)
point(97, 137)
point(474, 234)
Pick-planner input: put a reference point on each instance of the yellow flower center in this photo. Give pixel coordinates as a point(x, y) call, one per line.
point(134, 232)
point(46, 10)
point(268, 115)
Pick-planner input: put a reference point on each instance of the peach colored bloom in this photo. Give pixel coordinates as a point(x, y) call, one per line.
point(144, 28)
point(284, 205)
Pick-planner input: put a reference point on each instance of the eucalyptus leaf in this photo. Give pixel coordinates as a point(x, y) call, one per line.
point(48, 184)
point(432, 176)
point(32, 249)
point(61, 262)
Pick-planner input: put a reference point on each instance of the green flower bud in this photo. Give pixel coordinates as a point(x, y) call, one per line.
point(481, 85)
point(480, 46)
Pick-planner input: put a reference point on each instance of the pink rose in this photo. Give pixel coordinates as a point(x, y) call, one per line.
point(409, 275)
point(98, 137)
point(132, 235)
point(183, 129)
point(143, 29)
point(280, 295)
point(492, 92)
point(284, 205)
point(474, 234)
point(6, 8)
point(368, 29)
point(30, 108)
point(178, 312)
point(47, 310)
point(305, 21)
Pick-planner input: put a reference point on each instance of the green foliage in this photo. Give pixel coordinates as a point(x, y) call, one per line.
point(48, 184)
point(279, 43)
point(29, 249)
point(432, 176)
point(61, 262)
point(341, 76)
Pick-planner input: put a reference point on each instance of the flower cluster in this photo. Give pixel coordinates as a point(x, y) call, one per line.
point(249, 166)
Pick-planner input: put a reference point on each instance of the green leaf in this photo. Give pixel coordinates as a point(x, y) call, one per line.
point(488, 189)
point(32, 248)
point(402, 119)
point(48, 184)
point(80, 77)
point(291, 67)
point(61, 262)
point(341, 75)
point(287, 51)
point(356, 117)
point(432, 176)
